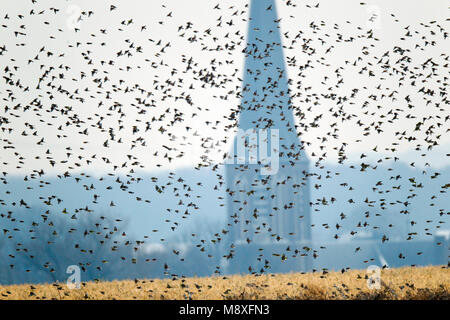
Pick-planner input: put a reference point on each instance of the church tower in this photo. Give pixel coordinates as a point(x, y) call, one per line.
point(268, 203)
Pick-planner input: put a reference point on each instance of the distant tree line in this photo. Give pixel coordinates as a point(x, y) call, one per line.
point(38, 248)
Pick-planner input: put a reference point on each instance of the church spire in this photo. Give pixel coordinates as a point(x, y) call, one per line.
point(268, 201)
point(265, 100)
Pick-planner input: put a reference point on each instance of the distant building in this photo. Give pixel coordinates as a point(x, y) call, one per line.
point(267, 171)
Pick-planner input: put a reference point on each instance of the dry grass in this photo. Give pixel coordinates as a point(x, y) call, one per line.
point(402, 283)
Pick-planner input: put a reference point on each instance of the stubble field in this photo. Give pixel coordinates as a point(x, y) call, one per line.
point(402, 283)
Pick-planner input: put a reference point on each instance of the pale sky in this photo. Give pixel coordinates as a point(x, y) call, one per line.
point(331, 20)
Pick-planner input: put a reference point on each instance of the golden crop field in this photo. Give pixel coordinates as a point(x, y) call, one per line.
point(402, 283)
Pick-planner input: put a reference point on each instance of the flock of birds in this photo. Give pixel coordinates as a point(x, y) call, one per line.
point(77, 104)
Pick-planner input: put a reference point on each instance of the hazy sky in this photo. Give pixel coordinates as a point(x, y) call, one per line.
point(80, 52)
